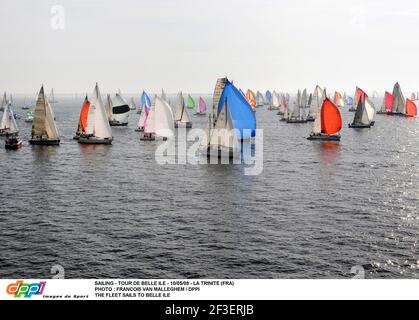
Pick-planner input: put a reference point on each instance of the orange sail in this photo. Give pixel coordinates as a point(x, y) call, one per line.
point(360, 94)
point(389, 101)
point(251, 98)
point(331, 118)
point(84, 114)
point(411, 109)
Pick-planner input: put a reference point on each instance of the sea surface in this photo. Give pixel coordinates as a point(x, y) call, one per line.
point(318, 210)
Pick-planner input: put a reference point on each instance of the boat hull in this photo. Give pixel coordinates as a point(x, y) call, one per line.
point(352, 110)
point(323, 137)
point(296, 121)
point(117, 124)
point(93, 140)
point(200, 114)
point(14, 146)
point(222, 153)
point(359, 126)
point(45, 142)
point(148, 138)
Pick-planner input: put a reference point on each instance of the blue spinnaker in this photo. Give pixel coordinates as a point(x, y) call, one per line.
point(350, 101)
point(244, 118)
point(268, 96)
point(145, 101)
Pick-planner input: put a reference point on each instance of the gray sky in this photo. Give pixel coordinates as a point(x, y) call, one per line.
point(188, 44)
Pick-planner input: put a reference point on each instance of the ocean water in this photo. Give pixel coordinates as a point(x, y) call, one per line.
point(317, 211)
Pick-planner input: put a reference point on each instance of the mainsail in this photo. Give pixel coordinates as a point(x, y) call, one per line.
point(181, 114)
point(399, 102)
point(361, 114)
point(219, 87)
point(260, 101)
point(387, 103)
point(316, 102)
point(223, 135)
point(276, 100)
point(8, 121)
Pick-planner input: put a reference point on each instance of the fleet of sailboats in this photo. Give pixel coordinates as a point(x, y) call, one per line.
point(232, 111)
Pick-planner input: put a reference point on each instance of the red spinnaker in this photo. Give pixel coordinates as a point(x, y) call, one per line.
point(411, 109)
point(331, 118)
point(84, 115)
point(360, 94)
point(389, 101)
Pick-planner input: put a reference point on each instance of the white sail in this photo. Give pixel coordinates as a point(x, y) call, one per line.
point(164, 121)
point(5, 123)
point(276, 100)
point(370, 110)
point(316, 102)
point(13, 124)
point(108, 107)
point(317, 125)
point(361, 114)
point(101, 127)
point(91, 117)
point(50, 125)
point(295, 114)
point(150, 126)
point(224, 134)
point(98, 95)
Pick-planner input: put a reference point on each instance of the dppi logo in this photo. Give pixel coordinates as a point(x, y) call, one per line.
point(26, 290)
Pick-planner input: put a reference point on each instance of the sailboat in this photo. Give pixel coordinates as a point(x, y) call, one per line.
point(339, 100)
point(160, 122)
point(25, 106)
point(44, 129)
point(260, 100)
point(328, 123)
point(315, 104)
point(164, 96)
point(297, 116)
point(359, 94)
point(276, 101)
point(145, 103)
point(191, 103)
point(120, 112)
point(4, 103)
point(8, 122)
point(94, 123)
point(387, 105)
point(202, 108)
point(399, 102)
point(251, 98)
point(133, 106)
point(411, 109)
point(182, 118)
point(364, 115)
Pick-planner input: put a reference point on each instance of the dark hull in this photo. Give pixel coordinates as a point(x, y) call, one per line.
point(117, 124)
point(352, 110)
point(76, 137)
point(15, 146)
point(359, 126)
point(44, 142)
point(139, 130)
point(92, 140)
point(297, 121)
point(324, 137)
point(200, 114)
point(221, 154)
point(152, 138)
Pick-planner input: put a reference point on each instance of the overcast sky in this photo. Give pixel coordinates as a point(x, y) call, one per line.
point(187, 44)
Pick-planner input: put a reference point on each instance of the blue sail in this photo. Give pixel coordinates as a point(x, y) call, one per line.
point(243, 117)
point(145, 101)
point(268, 96)
point(350, 101)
